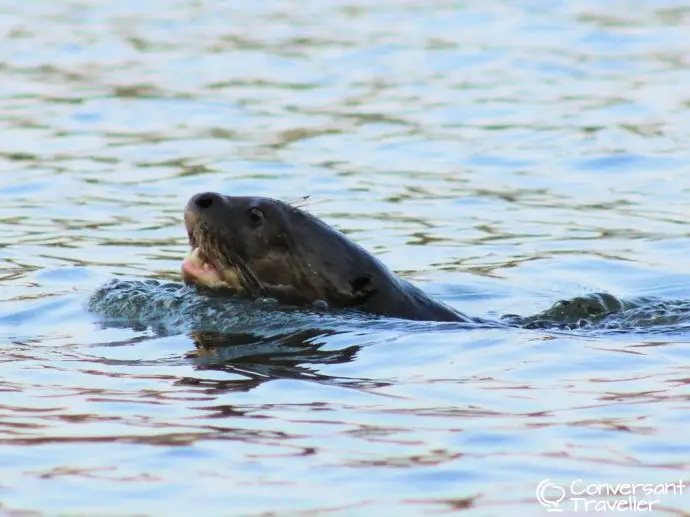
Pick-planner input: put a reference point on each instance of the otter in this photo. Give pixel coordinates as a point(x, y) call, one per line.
point(260, 247)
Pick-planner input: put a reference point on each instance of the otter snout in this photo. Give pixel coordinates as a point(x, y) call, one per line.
point(205, 200)
point(202, 206)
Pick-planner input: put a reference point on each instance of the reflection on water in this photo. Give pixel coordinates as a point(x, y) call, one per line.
point(503, 155)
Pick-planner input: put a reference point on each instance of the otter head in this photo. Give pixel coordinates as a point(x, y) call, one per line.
point(261, 247)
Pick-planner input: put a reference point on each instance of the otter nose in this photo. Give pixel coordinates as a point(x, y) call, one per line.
point(205, 200)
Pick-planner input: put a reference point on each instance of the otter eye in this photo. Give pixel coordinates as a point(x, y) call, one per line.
point(256, 216)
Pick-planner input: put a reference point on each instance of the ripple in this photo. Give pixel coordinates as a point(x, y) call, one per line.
point(503, 155)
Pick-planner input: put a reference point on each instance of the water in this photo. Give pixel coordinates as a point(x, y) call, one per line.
point(502, 155)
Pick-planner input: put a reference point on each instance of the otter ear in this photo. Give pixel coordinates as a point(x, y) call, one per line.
point(363, 287)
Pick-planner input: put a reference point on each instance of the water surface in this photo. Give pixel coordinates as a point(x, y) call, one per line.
point(501, 154)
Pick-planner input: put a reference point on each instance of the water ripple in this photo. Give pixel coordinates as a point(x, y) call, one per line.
point(503, 155)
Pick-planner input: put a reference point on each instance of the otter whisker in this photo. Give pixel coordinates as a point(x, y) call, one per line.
point(300, 202)
point(223, 256)
point(249, 279)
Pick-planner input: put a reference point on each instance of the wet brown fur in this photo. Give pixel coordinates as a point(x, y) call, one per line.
point(262, 247)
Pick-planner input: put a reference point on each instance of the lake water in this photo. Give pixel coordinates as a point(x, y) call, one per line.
point(502, 155)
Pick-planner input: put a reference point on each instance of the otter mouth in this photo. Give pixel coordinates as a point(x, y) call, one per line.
point(199, 266)
point(197, 269)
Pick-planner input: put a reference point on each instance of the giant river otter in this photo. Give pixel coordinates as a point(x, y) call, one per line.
point(258, 247)
point(261, 247)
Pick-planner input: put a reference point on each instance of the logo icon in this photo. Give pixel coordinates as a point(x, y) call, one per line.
point(550, 495)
